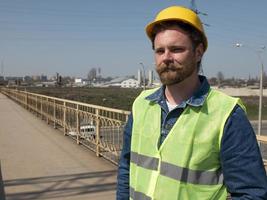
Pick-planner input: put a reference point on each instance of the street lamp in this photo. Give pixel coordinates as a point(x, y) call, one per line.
point(261, 85)
point(144, 75)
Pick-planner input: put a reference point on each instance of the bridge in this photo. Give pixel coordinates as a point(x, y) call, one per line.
point(44, 144)
point(39, 157)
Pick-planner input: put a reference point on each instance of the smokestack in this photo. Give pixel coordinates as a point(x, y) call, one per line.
point(139, 77)
point(150, 77)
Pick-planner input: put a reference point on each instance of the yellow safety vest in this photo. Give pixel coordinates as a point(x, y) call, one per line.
point(187, 164)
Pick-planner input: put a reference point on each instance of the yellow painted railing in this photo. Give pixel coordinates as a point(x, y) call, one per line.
point(262, 139)
point(98, 128)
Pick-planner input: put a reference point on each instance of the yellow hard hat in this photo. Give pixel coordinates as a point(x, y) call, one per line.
point(178, 13)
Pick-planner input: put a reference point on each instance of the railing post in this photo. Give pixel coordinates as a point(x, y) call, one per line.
point(47, 111)
point(54, 114)
point(27, 100)
point(64, 118)
point(77, 125)
point(16, 95)
point(36, 105)
point(97, 133)
point(41, 102)
point(24, 97)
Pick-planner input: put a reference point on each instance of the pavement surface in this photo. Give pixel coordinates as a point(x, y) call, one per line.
point(38, 162)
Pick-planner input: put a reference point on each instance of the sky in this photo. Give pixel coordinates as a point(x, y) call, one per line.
point(73, 36)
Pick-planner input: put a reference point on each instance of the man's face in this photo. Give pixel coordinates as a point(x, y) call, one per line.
point(175, 57)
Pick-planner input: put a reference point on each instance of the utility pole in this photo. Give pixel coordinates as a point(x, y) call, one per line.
point(260, 96)
point(2, 68)
point(193, 7)
point(262, 48)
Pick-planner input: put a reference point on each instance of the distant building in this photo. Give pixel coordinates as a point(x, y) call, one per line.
point(36, 78)
point(13, 78)
point(43, 78)
point(130, 83)
point(116, 82)
point(27, 79)
point(124, 82)
point(46, 84)
point(78, 80)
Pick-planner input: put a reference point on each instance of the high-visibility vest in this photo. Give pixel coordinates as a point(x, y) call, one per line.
point(187, 164)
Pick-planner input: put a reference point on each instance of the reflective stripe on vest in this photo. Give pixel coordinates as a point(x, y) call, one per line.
point(138, 195)
point(144, 161)
point(191, 176)
point(178, 173)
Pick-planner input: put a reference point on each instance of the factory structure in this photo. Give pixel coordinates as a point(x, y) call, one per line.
point(142, 81)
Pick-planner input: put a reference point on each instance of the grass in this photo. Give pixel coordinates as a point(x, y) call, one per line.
point(252, 106)
point(122, 98)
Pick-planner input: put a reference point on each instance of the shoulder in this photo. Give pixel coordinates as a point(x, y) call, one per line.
point(146, 93)
point(142, 98)
point(220, 98)
point(241, 158)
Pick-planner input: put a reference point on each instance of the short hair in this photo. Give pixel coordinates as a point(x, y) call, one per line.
point(195, 36)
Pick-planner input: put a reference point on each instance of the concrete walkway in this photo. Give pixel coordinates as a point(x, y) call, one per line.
point(38, 162)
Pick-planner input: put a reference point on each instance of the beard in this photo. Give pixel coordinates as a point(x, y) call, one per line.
point(174, 73)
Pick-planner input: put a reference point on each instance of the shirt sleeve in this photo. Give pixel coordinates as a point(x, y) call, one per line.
point(124, 164)
point(242, 165)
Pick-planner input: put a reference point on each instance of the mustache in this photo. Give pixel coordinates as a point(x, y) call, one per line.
point(165, 68)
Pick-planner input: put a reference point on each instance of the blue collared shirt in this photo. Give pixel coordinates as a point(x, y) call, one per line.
point(241, 161)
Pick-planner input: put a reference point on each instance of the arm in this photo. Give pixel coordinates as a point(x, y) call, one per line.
point(242, 165)
point(124, 164)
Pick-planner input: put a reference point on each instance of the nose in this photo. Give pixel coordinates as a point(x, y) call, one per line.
point(167, 57)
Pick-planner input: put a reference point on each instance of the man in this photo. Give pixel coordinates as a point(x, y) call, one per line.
point(186, 140)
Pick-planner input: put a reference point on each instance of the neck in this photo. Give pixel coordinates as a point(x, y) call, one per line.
point(177, 93)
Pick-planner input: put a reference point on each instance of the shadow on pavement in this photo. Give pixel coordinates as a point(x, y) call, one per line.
point(60, 186)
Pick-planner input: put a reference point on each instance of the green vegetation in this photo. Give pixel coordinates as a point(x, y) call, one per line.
point(122, 98)
point(252, 106)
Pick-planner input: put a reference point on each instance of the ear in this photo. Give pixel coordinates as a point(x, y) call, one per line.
point(199, 51)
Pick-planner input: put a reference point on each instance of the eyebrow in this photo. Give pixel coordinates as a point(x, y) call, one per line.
point(171, 47)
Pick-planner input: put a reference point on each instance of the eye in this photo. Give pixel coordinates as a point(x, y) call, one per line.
point(159, 51)
point(176, 49)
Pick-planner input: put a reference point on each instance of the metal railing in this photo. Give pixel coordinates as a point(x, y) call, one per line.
point(97, 128)
point(70, 117)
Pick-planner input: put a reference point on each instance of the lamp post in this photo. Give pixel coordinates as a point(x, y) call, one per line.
point(144, 75)
point(261, 93)
point(261, 85)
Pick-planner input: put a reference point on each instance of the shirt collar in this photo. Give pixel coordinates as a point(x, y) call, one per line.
point(197, 99)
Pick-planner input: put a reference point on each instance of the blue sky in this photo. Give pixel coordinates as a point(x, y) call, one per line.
point(72, 36)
